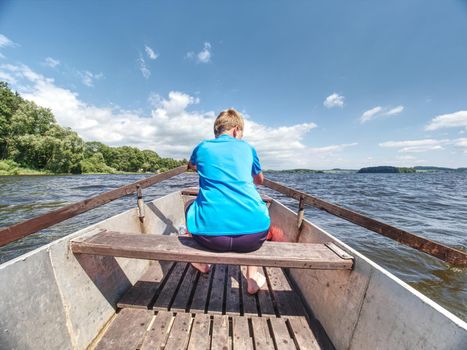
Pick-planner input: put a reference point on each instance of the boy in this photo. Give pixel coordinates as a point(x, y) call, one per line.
point(228, 213)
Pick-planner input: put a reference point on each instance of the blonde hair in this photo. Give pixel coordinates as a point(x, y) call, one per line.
point(227, 120)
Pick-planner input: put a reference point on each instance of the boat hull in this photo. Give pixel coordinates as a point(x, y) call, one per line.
point(53, 299)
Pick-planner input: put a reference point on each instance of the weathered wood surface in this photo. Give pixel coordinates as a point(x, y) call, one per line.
point(214, 330)
point(262, 337)
point(438, 250)
point(201, 293)
point(126, 331)
point(303, 334)
point(216, 297)
point(288, 302)
point(248, 301)
point(182, 298)
point(281, 334)
point(144, 290)
point(176, 248)
point(241, 334)
point(200, 337)
point(266, 305)
point(164, 300)
point(193, 191)
point(180, 332)
point(14, 232)
point(232, 297)
point(220, 333)
point(138, 329)
point(156, 336)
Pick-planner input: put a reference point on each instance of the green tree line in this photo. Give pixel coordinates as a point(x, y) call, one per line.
point(31, 138)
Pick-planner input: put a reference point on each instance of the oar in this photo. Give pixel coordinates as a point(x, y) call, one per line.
point(438, 250)
point(17, 231)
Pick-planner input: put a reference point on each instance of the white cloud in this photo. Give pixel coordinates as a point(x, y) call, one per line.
point(51, 62)
point(6, 42)
point(461, 143)
point(150, 52)
point(171, 129)
point(88, 77)
point(334, 100)
point(415, 145)
point(370, 114)
point(379, 111)
point(143, 67)
point(452, 120)
point(7, 77)
point(407, 157)
point(204, 56)
point(395, 111)
point(332, 148)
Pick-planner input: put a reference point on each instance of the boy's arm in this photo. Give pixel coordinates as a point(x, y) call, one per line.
point(192, 166)
point(258, 179)
point(256, 170)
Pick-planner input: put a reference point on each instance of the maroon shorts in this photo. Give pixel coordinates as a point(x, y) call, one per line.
point(230, 243)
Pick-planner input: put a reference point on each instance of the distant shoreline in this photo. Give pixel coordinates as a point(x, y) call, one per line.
point(367, 170)
point(375, 170)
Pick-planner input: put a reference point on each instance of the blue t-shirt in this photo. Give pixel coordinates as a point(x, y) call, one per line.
point(228, 202)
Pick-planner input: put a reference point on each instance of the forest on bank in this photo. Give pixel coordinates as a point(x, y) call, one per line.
point(32, 141)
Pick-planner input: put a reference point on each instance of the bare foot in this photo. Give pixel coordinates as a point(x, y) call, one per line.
point(203, 268)
point(255, 283)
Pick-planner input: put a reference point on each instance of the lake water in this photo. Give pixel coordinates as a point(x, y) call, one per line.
point(433, 205)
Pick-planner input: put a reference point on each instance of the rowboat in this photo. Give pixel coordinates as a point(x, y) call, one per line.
point(125, 283)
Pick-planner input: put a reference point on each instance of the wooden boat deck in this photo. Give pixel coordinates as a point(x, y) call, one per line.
point(173, 306)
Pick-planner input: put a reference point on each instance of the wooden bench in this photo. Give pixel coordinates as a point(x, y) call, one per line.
point(184, 249)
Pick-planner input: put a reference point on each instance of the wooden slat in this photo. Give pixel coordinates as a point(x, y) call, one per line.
point(180, 302)
point(200, 338)
point(200, 295)
point(303, 334)
point(266, 307)
point(217, 290)
point(241, 334)
point(170, 288)
point(143, 292)
point(248, 301)
point(281, 334)
point(438, 250)
point(220, 333)
point(158, 332)
point(179, 248)
point(261, 336)
point(180, 332)
point(126, 331)
point(287, 300)
point(14, 232)
point(193, 191)
point(232, 298)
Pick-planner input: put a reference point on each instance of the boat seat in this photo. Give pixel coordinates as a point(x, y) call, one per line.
point(324, 256)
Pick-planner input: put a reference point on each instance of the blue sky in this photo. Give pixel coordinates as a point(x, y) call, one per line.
point(323, 84)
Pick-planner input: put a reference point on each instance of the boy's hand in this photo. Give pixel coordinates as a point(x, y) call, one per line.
point(258, 179)
point(191, 166)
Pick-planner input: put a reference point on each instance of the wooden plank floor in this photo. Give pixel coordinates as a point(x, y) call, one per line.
point(174, 306)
